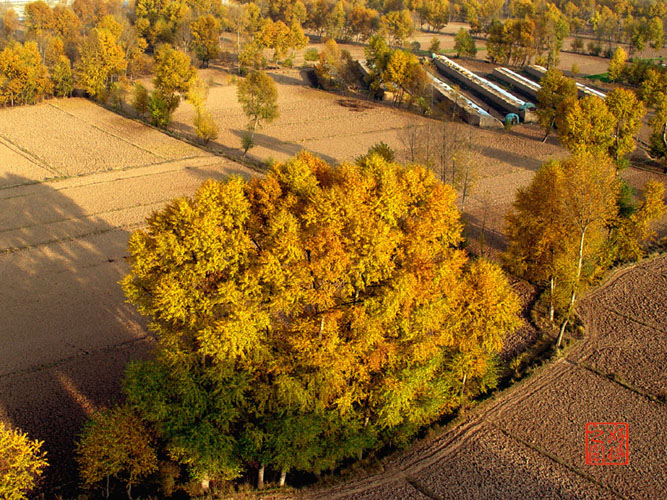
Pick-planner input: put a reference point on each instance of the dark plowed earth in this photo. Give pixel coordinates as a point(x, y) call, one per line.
point(530, 442)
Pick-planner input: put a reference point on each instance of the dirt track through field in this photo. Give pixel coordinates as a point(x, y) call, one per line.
point(529, 442)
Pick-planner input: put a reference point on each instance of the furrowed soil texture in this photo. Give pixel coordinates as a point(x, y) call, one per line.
point(66, 332)
point(529, 442)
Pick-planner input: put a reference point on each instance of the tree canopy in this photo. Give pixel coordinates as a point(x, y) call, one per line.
point(22, 462)
point(310, 315)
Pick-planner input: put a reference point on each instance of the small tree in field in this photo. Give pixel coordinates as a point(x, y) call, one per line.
point(205, 126)
point(617, 64)
point(205, 33)
point(258, 95)
point(464, 44)
point(21, 463)
point(115, 443)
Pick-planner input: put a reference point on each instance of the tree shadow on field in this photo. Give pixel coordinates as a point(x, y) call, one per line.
point(483, 240)
point(514, 159)
point(283, 79)
point(66, 332)
point(287, 148)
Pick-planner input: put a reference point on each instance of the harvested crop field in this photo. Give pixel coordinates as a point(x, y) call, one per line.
point(67, 332)
point(529, 442)
point(67, 137)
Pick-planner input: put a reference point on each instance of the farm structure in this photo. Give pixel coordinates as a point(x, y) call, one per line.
point(538, 72)
point(466, 108)
point(366, 75)
point(516, 81)
point(491, 92)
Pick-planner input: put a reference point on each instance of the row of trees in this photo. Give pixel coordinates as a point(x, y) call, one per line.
point(522, 21)
point(572, 223)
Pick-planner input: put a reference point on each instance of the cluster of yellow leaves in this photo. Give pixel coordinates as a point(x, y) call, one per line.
point(601, 126)
point(102, 57)
point(21, 463)
point(280, 38)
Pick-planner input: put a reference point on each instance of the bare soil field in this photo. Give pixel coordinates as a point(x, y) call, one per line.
point(66, 332)
point(529, 442)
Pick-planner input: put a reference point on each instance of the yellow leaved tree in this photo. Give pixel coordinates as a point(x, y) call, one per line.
point(310, 315)
point(22, 462)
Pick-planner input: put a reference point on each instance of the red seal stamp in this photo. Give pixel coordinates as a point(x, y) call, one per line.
point(607, 443)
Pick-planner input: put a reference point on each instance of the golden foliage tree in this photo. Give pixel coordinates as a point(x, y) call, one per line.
point(397, 25)
point(617, 64)
point(309, 315)
point(555, 89)
point(21, 463)
point(23, 77)
point(115, 443)
point(586, 125)
point(559, 223)
point(102, 58)
point(205, 33)
point(258, 96)
point(628, 112)
point(630, 235)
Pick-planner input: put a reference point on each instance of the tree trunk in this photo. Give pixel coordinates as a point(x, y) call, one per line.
point(205, 484)
point(238, 50)
point(107, 486)
point(548, 131)
point(551, 299)
point(573, 296)
point(129, 491)
point(283, 476)
point(260, 477)
point(465, 190)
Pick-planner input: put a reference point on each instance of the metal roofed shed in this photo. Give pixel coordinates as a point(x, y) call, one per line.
point(521, 83)
point(497, 96)
point(464, 107)
point(537, 72)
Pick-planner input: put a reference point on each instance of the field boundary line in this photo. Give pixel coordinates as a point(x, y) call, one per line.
point(81, 354)
point(634, 320)
point(555, 459)
point(13, 250)
point(611, 378)
point(451, 440)
point(421, 488)
point(104, 172)
point(88, 216)
point(224, 152)
point(28, 155)
point(91, 124)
